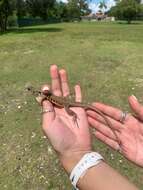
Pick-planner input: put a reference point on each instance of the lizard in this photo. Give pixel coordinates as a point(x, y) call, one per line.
point(62, 102)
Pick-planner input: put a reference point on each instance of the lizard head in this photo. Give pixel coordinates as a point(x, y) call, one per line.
point(33, 91)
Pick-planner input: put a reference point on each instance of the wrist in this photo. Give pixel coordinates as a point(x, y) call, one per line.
point(70, 160)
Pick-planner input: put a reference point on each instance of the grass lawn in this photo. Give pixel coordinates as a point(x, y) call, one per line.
point(106, 59)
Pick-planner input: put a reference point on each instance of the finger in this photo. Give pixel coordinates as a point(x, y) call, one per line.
point(115, 125)
point(78, 95)
point(82, 117)
point(48, 116)
point(56, 83)
point(64, 82)
point(47, 107)
point(102, 128)
point(113, 144)
point(44, 89)
point(136, 106)
point(109, 110)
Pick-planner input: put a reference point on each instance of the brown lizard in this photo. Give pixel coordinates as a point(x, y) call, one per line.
point(63, 102)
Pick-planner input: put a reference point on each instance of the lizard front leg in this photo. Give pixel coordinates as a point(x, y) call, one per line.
point(71, 113)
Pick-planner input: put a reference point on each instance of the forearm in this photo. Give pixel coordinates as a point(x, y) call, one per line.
point(103, 177)
point(99, 177)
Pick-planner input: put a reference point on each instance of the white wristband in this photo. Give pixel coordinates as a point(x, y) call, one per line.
point(87, 161)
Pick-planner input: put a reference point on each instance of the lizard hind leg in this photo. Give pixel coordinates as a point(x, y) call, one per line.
point(72, 113)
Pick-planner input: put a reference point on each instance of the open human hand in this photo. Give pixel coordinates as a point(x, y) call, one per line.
point(129, 131)
point(71, 141)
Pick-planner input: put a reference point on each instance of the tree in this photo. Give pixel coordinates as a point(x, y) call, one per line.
point(126, 10)
point(63, 11)
point(6, 9)
point(39, 7)
point(138, 1)
point(59, 11)
point(21, 8)
point(84, 7)
point(77, 8)
point(102, 5)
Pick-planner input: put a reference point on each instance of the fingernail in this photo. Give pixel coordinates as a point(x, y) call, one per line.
point(45, 88)
point(134, 97)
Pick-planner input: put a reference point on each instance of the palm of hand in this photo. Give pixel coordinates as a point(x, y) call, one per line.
point(132, 140)
point(66, 135)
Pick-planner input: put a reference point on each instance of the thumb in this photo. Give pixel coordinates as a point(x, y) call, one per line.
point(136, 107)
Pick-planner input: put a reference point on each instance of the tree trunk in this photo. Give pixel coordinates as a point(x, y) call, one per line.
point(3, 23)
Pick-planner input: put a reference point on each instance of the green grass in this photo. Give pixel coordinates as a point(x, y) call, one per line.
point(106, 59)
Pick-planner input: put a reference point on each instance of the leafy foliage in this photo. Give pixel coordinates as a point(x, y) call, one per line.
point(77, 8)
point(102, 5)
point(39, 7)
point(21, 8)
point(126, 10)
point(44, 9)
point(59, 11)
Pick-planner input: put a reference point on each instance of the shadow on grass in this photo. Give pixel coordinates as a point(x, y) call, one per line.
point(132, 23)
point(32, 30)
